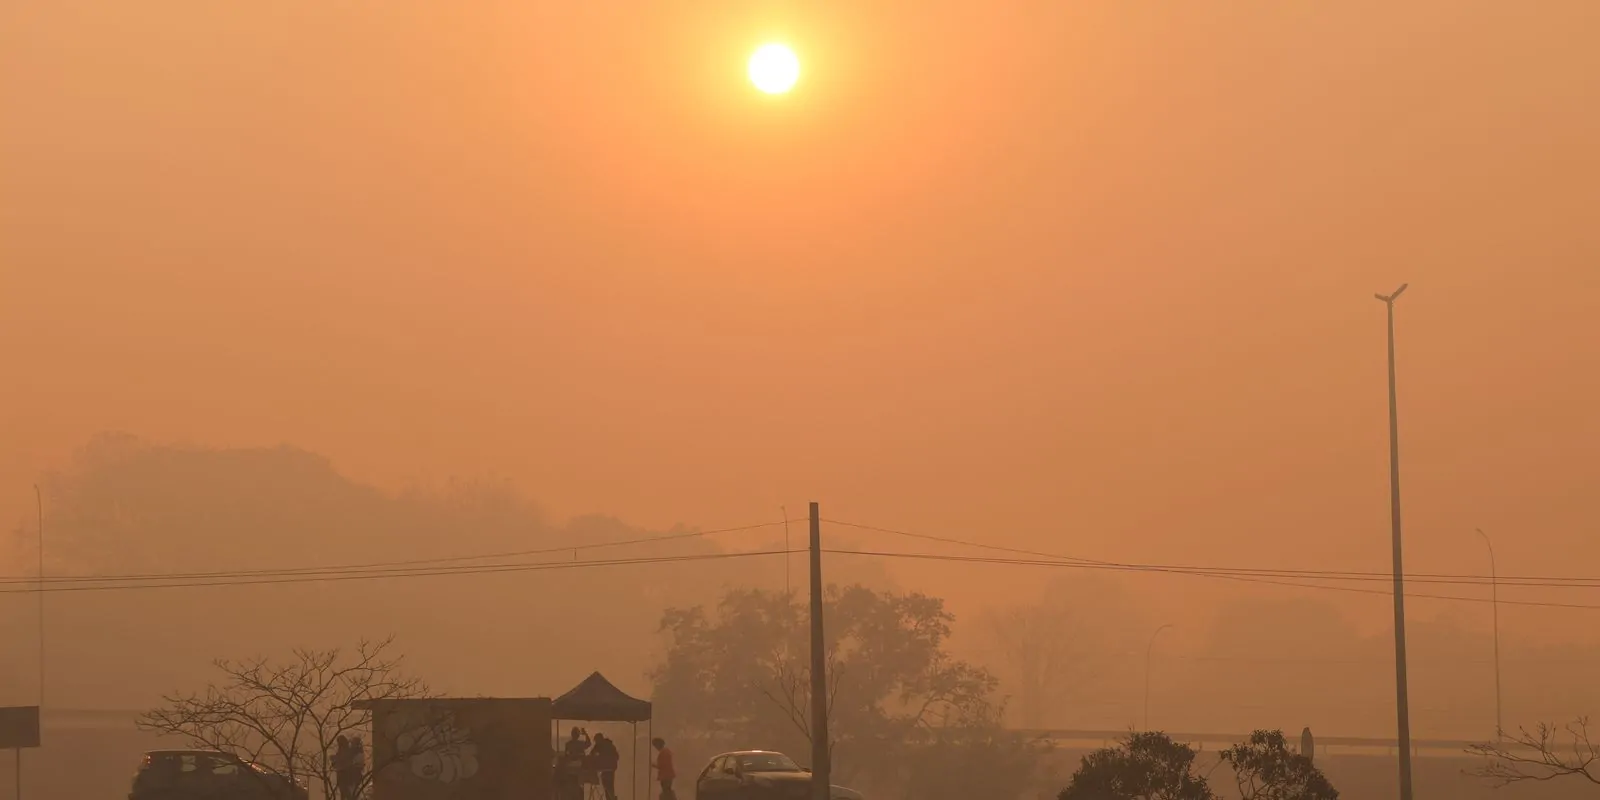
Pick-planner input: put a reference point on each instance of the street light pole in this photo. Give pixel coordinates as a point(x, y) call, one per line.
point(1147, 653)
point(1402, 695)
point(1494, 602)
point(38, 498)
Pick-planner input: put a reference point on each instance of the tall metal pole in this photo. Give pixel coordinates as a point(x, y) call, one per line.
point(1494, 602)
point(821, 781)
point(788, 558)
point(1147, 653)
point(1402, 694)
point(38, 498)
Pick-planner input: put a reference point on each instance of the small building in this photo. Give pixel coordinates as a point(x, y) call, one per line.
point(461, 749)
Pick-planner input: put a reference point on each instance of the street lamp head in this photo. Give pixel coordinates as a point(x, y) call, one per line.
point(1390, 298)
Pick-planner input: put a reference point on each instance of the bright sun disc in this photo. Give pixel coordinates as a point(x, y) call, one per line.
point(774, 68)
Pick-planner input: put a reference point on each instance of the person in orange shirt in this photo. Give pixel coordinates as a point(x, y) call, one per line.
point(665, 771)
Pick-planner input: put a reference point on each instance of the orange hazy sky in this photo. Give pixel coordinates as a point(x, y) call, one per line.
point(1095, 277)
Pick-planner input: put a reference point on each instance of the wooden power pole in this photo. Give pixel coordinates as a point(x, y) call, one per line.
point(821, 766)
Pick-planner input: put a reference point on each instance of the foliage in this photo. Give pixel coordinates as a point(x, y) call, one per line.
point(976, 758)
point(287, 717)
point(1543, 754)
point(1266, 769)
point(1053, 650)
point(741, 677)
point(1145, 766)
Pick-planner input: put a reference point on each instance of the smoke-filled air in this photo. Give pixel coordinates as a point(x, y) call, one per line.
point(537, 400)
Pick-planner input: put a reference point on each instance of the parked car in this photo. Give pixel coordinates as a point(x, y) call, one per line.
point(209, 775)
point(759, 775)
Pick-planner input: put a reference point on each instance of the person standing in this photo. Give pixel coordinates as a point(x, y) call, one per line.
point(578, 745)
point(352, 768)
point(606, 760)
point(341, 766)
point(572, 763)
point(665, 770)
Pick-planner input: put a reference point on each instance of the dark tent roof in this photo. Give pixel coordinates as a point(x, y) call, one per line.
point(596, 700)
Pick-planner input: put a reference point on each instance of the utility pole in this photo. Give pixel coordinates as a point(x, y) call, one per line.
point(1147, 653)
point(821, 767)
point(1494, 602)
point(1402, 695)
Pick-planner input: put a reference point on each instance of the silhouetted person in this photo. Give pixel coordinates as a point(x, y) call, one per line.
point(563, 776)
point(665, 771)
point(358, 765)
point(606, 759)
point(578, 745)
point(350, 767)
point(571, 766)
point(341, 766)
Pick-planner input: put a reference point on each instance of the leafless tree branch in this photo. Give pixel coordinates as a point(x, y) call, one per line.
point(287, 717)
point(1540, 755)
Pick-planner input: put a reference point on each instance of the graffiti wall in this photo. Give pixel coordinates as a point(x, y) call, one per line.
point(461, 749)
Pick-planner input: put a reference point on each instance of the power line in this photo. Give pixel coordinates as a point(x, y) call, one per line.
point(1292, 578)
point(1465, 579)
point(1301, 584)
point(1295, 578)
point(378, 566)
point(420, 572)
point(455, 565)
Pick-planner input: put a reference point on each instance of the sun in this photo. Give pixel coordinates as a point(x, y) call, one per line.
point(774, 68)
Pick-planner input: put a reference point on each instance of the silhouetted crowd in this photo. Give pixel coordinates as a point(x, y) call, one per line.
point(349, 766)
point(583, 760)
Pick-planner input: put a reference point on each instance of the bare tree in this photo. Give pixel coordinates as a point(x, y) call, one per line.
point(788, 686)
point(1546, 753)
point(287, 718)
point(1044, 650)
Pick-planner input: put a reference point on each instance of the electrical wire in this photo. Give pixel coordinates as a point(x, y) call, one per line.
point(456, 565)
point(1222, 576)
point(378, 566)
point(420, 572)
point(1410, 577)
point(1290, 578)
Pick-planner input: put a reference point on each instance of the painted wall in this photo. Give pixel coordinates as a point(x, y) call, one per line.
point(494, 749)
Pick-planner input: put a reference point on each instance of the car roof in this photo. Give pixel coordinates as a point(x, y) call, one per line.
point(750, 753)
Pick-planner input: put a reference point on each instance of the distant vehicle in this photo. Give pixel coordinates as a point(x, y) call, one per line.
point(208, 775)
point(759, 775)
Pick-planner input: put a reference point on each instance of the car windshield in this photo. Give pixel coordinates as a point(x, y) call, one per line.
point(767, 762)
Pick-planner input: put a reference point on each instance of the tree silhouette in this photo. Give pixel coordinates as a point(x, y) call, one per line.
point(1266, 769)
point(742, 674)
point(1145, 766)
point(286, 717)
point(1054, 649)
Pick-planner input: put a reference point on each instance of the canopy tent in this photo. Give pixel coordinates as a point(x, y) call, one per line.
point(598, 700)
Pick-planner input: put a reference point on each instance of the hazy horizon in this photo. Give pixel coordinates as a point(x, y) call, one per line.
point(1085, 279)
